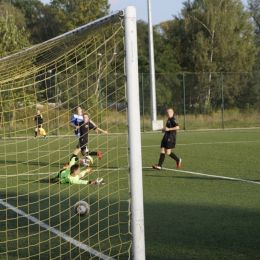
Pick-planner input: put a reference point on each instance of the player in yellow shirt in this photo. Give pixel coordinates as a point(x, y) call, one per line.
point(39, 121)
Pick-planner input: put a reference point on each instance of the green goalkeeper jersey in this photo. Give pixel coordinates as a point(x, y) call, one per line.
point(64, 174)
point(77, 179)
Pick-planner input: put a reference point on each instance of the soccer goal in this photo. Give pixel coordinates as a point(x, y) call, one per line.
point(43, 88)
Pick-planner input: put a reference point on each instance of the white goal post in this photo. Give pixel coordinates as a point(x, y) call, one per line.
point(134, 135)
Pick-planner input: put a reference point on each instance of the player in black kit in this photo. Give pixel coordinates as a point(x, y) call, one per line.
point(169, 140)
point(84, 127)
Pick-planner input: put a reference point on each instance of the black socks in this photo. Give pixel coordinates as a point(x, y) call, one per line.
point(162, 157)
point(92, 153)
point(173, 156)
point(161, 160)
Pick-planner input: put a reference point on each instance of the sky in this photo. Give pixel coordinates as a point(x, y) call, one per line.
point(162, 10)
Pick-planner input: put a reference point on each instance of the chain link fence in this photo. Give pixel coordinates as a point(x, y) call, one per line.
point(204, 100)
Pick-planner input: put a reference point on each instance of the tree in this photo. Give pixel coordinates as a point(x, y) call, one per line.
point(7, 9)
point(219, 36)
point(254, 9)
point(12, 39)
point(71, 14)
point(39, 18)
point(213, 36)
point(165, 66)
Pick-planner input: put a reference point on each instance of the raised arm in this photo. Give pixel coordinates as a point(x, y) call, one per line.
point(97, 128)
point(102, 131)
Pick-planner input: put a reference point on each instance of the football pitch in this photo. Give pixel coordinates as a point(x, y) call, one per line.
point(207, 209)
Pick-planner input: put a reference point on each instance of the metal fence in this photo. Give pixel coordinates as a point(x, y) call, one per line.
point(204, 100)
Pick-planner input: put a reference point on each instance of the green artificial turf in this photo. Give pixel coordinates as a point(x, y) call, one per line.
point(188, 214)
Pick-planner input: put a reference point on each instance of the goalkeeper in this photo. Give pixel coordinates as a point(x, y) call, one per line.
point(73, 175)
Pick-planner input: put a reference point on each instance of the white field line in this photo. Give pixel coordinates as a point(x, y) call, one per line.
point(210, 175)
point(57, 232)
point(229, 130)
point(124, 147)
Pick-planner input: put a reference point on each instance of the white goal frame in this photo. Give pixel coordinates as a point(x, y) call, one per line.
point(133, 105)
point(134, 135)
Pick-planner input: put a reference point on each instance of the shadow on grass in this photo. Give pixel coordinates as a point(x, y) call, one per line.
point(104, 228)
point(178, 231)
point(46, 180)
point(34, 163)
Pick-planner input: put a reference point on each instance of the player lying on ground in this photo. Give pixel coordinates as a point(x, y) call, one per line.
point(84, 127)
point(169, 140)
point(73, 175)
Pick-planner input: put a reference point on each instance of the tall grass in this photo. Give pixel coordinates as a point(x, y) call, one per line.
point(57, 121)
point(232, 118)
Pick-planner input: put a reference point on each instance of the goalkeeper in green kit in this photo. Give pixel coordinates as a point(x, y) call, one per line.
point(73, 175)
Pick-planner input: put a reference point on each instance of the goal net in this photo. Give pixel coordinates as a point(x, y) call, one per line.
point(82, 68)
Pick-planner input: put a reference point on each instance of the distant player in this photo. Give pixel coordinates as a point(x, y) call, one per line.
point(39, 122)
point(84, 128)
point(76, 119)
point(169, 140)
point(73, 175)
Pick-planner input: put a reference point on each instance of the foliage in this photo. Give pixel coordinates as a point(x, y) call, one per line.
point(207, 38)
point(71, 14)
point(165, 62)
point(11, 37)
point(254, 9)
point(212, 36)
point(7, 9)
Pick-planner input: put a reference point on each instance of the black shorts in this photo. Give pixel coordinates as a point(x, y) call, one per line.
point(167, 145)
point(39, 126)
point(82, 143)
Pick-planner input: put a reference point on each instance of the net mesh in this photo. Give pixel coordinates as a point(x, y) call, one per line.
point(84, 67)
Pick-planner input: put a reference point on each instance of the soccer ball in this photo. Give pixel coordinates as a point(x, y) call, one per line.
point(81, 208)
point(89, 159)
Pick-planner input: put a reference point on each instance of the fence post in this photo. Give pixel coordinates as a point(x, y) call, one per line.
point(184, 101)
point(222, 105)
point(56, 103)
point(258, 91)
point(9, 112)
point(143, 98)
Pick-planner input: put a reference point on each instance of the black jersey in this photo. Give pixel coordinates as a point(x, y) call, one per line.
point(85, 128)
point(38, 119)
point(170, 136)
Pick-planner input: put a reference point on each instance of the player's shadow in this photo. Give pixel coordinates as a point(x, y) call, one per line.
point(41, 181)
point(42, 164)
